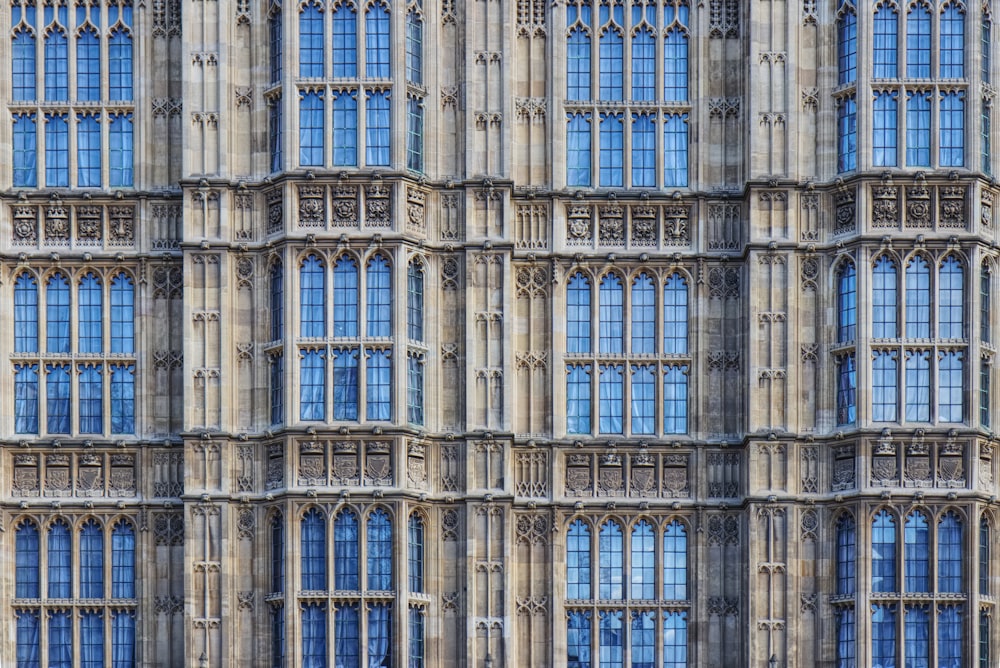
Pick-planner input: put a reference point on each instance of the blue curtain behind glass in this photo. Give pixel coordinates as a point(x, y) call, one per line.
point(89, 315)
point(277, 554)
point(379, 297)
point(91, 640)
point(25, 314)
point(26, 546)
point(345, 297)
point(122, 314)
point(379, 636)
point(91, 561)
point(122, 639)
point(59, 551)
point(347, 651)
point(57, 314)
point(60, 640)
point(313, 636)
point(313, 552)
point(28, 639)
point(379, 543)
point(123, 561)
point(379, 399)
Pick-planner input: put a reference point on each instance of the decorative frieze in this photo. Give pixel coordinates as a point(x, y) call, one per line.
point(81, 474)
point(846, 212)
point(634, 473)
point(94, 224)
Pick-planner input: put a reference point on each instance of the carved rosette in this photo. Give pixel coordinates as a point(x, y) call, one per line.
point(578, 224)
point(345, 206)
point(25, 227)
point(415, 200)
point(275, 212)
point(846, 215)
point(918, 206)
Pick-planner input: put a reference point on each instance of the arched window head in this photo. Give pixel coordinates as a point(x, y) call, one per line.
point(884, 299)
point(122, 314)
point(26, 558)
point(918, 298)
point(415, 553)
point(847, 302)
point(277, 553)
point(379, 297)
point(25, 314)
point(123, 560)
point(951, 299)
point(345, 297)
point(949, 553)
point(675, 564)
point(57, 313)
point(675, 315)
point(847, 43)
point(643, 571)
point(312, 301)
point(612, 317)
point(90, 314)
point(91, 560)
point(415, 300)
point(379, 544)
point(59, 556)
point(313, 550)
point(578, 561)
point(277, 295)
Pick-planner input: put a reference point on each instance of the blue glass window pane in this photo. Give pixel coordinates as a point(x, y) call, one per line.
point(949, 557)
point(88, 151)
point(91, 399)
point(123, 561)
point(313, 550)
point(25, 314)
point(611, 555)
point(91, 640)
point(311, 129)
point(916, 546)
point(951, 387)
point(120, 61)
point(643, 150)
point(675, 151)
point(122, 639)
point(345, 128)
point(918, 129)
point(578, 315)
point(675, 391)
point(415, 45)
point(883, 553)
point(643, 639)
point(58, 553)
point(884, 386)
point(56, 56)
point(847, 44)
point(847, 390)
point(57, 314)
point(985, 536)
point(274, 42)
point(675, 60)
point(951, 299)
point(28, 639)
point(675, 315)
point(918, 299)
point(675, 653)
point(60, 640)
point(380, 636)
point(578, 633)
point(277, 388)
point(643, 53)
point(414, 390)
point(415, 650)
point(953, 129)
point(26, 398)
point(883, 635)
point(578, 149)
point(345, 384)
point(379, 398)
point(415, 301)
point(121, 158)
point(122, 314)
point(345, 297)
point(918, 390)
point(91, 561)
point(26, 557)
point(277, 554)
point(612, 137)
point(25, 151)
point(612, 314)
point(611, 46)
point(952, 54)
point(312, 297)
point(847, 134)
point(314, 635)
point(415, 553)
point(611, 392)
point(675, 561)
point(277, 305)
point(345, 42)
point(379, 297)
point(312, 398)
point(643, 310)
point(916, 632)
point(847, 303)
point(377, 40)
point(846, 556)
point(123, 399)
point(578, 52)
point(414, 134)
point(88, 54)
point(612, 639)
point(345, 552)
point(23, 53)
point(274, 124)
point(986, 132)
point(347, 630)
point(311, 40)
point(643, 400)
point(377, 130)
point(379, 545)
point(56, 151)
point(846, 632)
point(950, 636)
point(57, 398)
point(885, 114)
point(578, 561)
point(578, 399)
point(918, 41)
point(886, 35)
point(884, 300)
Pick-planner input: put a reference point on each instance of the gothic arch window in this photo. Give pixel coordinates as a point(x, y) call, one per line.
point(675, 52)
point(886, 38)
point(311, 135)
point(379, 297)
point(312, 297)
point(846, 279)
point(311, 52)
point(643, 312)
point(377, 38)
point(918, 298)
point(612, 314)
point(415, 553)
point(952, 52)
point(918, 40)
point(313, 550)
point(675, 315)
point(884, 298)
point(378, 572)
point(57, 311)
point(90, 314)
point(949, 553)
point(277, 301)
point(345, 297)
point(91, 565)
point(415, 300)
point(578, 582)
point(578, 322)
point(277, 533)
point(916, 551)
point(847, 303)
point(846, 556)
point(345, 551)
point(847, 43)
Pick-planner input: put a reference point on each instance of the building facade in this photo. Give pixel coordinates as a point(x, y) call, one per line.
point(587, 333)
